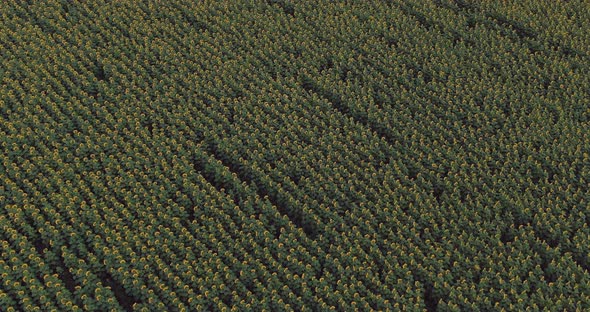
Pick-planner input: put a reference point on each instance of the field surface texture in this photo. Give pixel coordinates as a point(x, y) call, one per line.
point(286, 155)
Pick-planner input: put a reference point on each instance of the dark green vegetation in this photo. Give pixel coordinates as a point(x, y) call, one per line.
point(294, 155)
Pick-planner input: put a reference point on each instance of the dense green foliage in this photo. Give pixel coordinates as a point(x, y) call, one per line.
point(294, 155)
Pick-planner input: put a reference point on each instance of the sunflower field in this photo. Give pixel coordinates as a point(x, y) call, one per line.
point(284, 155)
